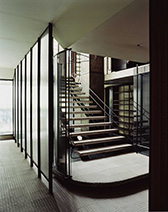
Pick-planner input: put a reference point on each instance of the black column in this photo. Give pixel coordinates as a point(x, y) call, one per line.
point(51, 105)
point(25, 106)
point(18, 97)
point(21, 128)
point(31, 142)
point(159, 105)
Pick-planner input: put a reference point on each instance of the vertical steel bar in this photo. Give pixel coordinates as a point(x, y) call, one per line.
point(21, 108)
point(50, 106)
point(137, 123)
point(18, 134)
point(25, 106)
point(38, 108)
point(31, 140)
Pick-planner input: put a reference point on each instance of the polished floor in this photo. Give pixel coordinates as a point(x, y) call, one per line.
point(22, 191)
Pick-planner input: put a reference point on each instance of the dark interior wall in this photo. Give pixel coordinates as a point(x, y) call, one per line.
point(118, 64)
point(159, 105)
point(97, 75)
point(73, 63)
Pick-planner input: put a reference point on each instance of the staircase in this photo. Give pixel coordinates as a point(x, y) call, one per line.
point(91, 134)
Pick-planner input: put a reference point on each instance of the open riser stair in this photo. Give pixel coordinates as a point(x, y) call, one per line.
point(91, 134)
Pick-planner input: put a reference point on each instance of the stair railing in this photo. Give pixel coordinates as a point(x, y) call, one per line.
point(139, 107)
point(141, 140)
point(111, 115)
point(139, 137)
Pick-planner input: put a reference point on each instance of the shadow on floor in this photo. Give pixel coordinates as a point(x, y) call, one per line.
point(107, 190)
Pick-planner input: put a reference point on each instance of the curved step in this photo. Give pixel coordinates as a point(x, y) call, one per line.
point(99, 124)
point(103, 149)
point(92, 132)
point(88, 118)
point(97, 140)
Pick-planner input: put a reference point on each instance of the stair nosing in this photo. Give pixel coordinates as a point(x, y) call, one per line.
point(91, 124)
point(74, 134)
point(103, 149)
point(88, 118)
point(97, 140)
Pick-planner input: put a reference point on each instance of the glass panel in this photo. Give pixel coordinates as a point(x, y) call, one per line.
point(23, 103)
point(62, 159)
point(34, 101)
point(16, 110)
point(146, 110)
point(28, 103)
point(141, 115)
point(19, 102)
point(6, 107)
point(44, 104)
point(14, 105)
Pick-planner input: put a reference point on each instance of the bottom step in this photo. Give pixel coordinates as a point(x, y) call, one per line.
point(103, 149)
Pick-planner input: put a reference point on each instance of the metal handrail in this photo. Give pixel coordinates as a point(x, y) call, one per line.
point(138, 105)
point(110, 115)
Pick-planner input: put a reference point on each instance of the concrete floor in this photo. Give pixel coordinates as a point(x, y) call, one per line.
point(22, 191)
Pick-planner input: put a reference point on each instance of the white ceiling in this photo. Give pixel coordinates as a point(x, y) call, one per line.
point(124, 35)
point(87, 26)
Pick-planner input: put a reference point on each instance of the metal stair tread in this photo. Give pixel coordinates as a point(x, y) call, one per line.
point(79, 97)
point(93, 132)
point(86, 112)
point(85, 106)
point(97, 140)
point(76, 88)
point(88, 118)
point(79, 101)
point(91, 124)
point(103, 149)
point(65, 94)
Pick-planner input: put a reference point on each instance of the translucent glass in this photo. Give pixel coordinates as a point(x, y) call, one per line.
point(44, 119)
point(6, 107)
point(61, 153)
point(19, 101)
point(28, 103)
point(23, 103)
point(16, 97)
point(34, 102)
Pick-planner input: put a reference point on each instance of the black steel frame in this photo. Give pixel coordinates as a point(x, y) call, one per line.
point(31, 142)
point(50, 106)
point(38, 110)
point(25, 106)
point(21, 127)
point(17, 105)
